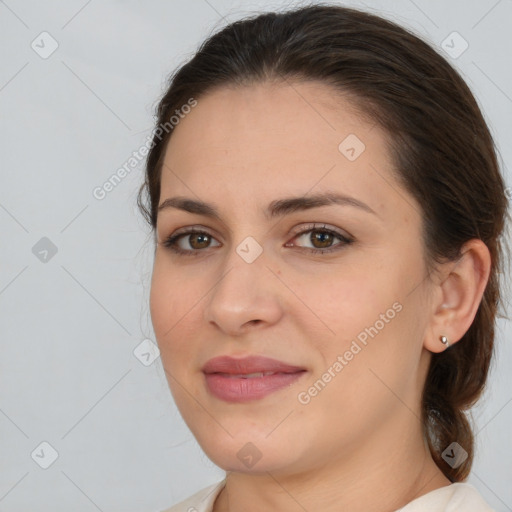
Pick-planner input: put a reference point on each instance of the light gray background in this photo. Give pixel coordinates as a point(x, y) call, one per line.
point(69, 326)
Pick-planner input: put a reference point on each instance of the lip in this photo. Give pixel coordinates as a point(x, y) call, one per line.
point(248, 364)
point(226, 377)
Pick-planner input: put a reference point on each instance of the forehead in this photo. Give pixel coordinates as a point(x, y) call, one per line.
point(299, 118)
point(305, 120)
point(276, 139)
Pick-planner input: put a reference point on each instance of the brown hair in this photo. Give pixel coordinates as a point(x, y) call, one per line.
point(442, 148)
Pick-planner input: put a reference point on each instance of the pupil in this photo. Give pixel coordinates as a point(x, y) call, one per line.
point(322, 237)
point(199, 236)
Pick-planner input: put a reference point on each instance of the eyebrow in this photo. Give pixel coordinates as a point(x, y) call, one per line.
point(277, 208)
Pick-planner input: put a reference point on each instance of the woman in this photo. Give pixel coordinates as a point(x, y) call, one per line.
point(328, 211)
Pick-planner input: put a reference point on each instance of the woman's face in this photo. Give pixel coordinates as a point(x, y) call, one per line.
point(352, 318)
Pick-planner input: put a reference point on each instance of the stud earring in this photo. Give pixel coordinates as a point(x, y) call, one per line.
point(444, 341)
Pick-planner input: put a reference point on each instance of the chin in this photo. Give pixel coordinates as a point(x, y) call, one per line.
point(250, 453)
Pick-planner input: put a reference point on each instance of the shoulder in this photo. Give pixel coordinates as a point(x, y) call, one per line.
point(201, 501)
point(451, 498)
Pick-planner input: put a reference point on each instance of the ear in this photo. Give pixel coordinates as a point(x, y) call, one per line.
point(457, 295)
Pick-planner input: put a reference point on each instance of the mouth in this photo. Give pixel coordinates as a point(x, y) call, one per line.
point(249, 378)
point(248, 365)
point(249, 375)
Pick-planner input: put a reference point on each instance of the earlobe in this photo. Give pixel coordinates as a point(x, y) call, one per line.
point(458, 296)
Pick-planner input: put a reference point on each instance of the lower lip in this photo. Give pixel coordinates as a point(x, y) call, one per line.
point(237, 389)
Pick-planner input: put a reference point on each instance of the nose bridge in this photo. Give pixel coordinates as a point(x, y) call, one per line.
point(243, 268)
point(244, 291)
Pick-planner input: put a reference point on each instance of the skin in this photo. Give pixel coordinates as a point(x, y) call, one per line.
point(357, 445)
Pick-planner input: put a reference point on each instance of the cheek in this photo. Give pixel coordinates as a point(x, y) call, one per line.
point(367, 303)
point(173, 314)
point(160, 303)
point(167, 286)
point(347, 298)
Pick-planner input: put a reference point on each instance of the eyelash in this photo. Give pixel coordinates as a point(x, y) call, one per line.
point(171, 241)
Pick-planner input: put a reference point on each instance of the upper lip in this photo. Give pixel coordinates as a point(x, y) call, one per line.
point(248, 364)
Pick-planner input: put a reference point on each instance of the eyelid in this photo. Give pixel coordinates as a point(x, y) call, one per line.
point(195, 228)
point(310, 226)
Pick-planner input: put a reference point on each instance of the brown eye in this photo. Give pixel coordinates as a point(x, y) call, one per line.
point(201, 239)
point(321, 239)
point(196, 240)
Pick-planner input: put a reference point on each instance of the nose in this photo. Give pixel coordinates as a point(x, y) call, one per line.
point(245, 295)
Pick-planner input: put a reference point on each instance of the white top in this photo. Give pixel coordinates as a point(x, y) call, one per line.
point(456, 497)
